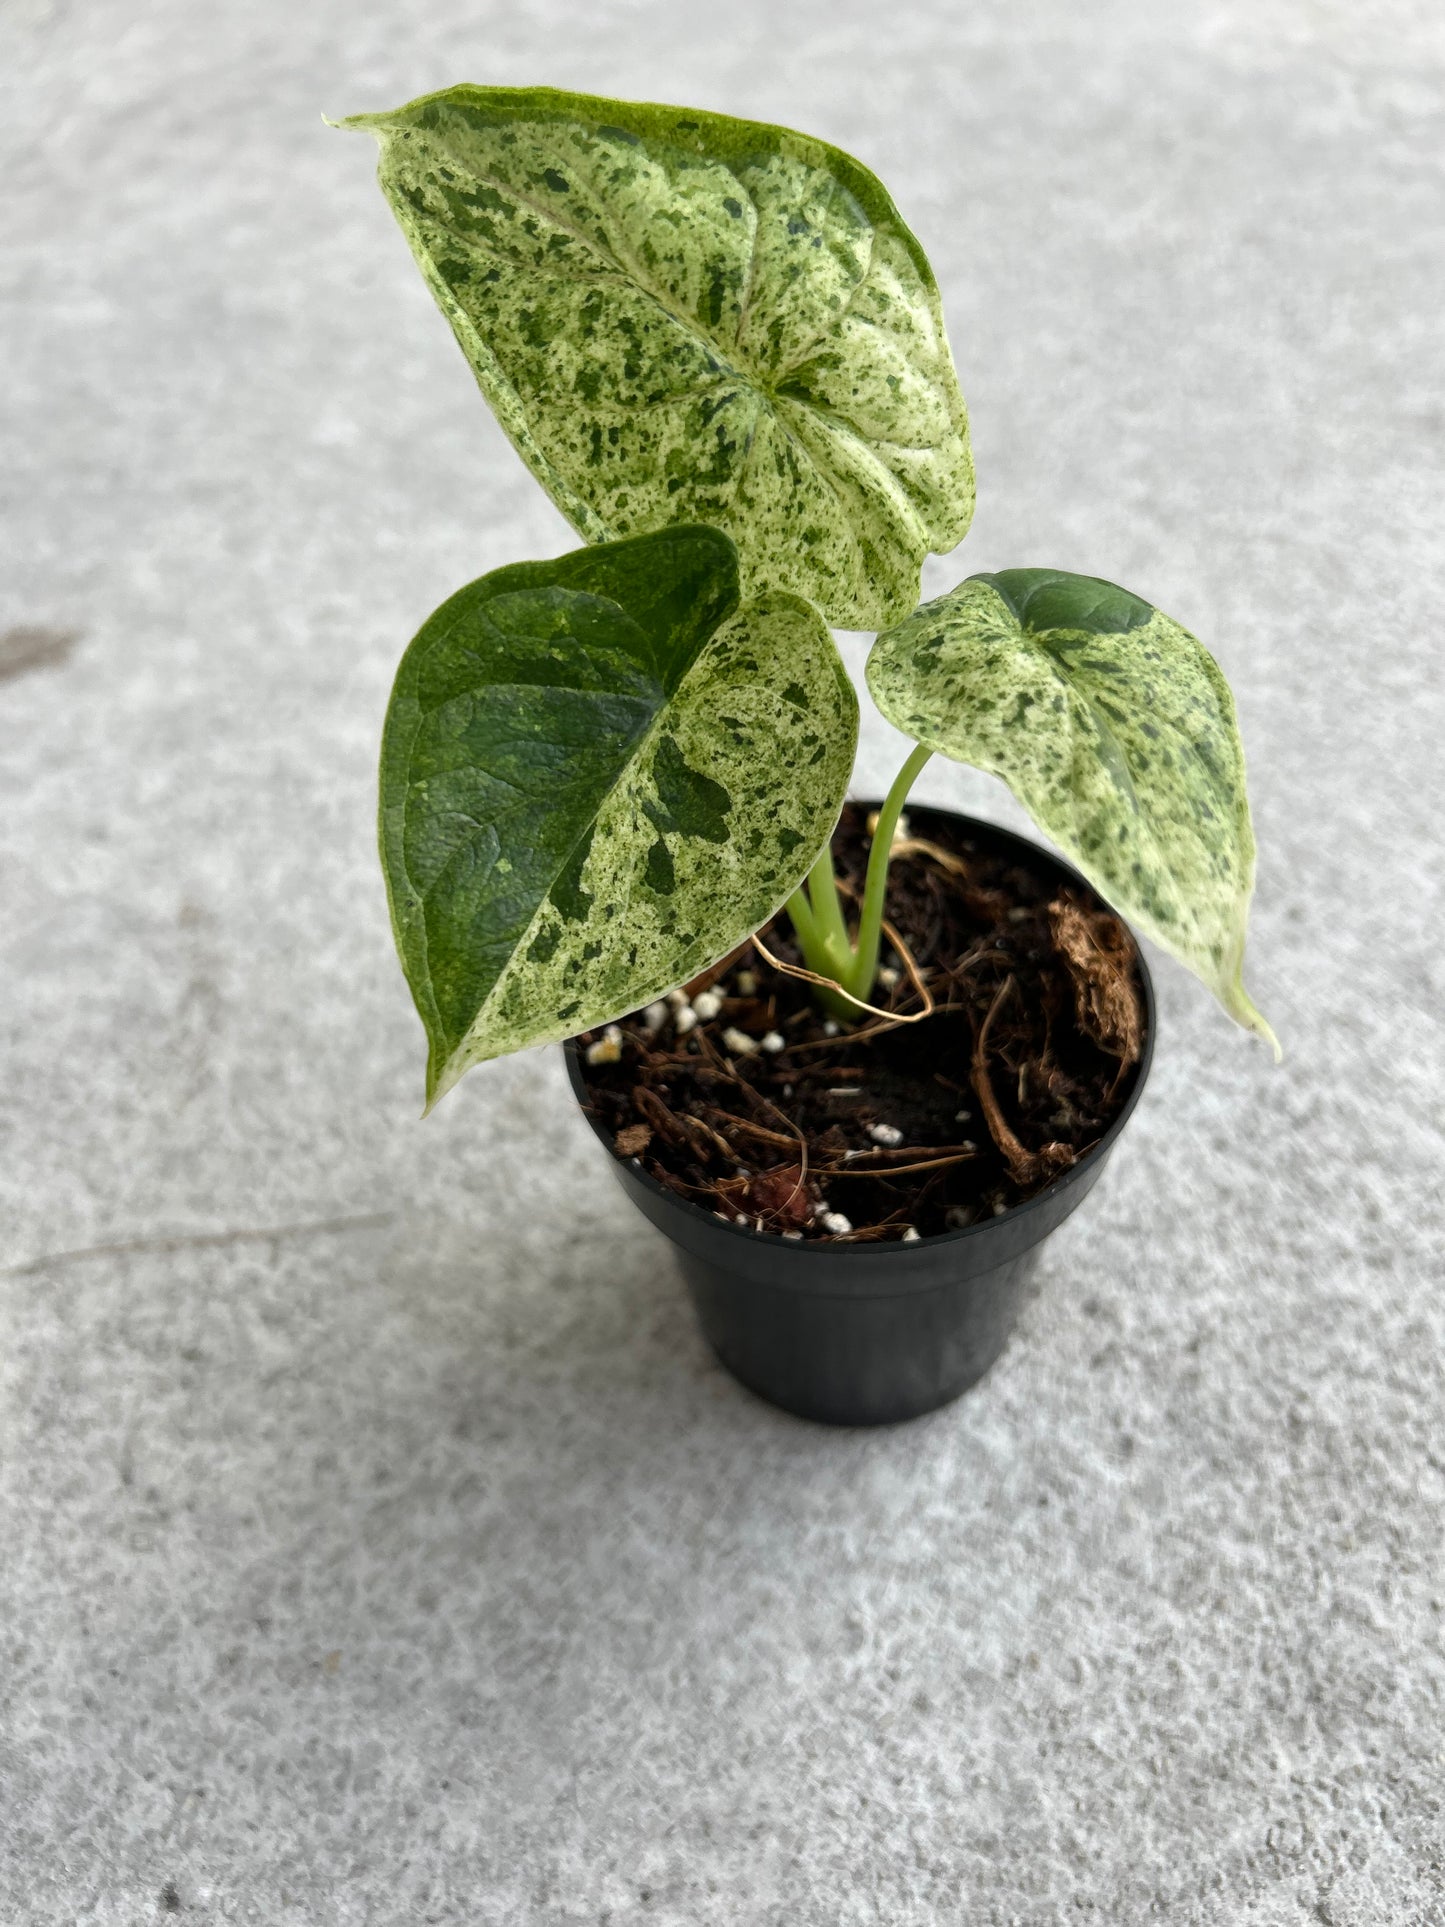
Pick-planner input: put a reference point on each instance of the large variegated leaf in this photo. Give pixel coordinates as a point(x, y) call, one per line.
point(598, 775)
point(681, 317)
point(1116, 731)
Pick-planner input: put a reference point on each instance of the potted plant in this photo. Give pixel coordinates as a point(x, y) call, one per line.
point(855, 1077)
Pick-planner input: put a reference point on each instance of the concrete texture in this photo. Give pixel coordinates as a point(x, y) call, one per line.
point(380, 1544)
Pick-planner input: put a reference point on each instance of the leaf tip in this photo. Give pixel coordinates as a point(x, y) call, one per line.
point(442, 1072)
point(356, 123)
point(1244, 1011)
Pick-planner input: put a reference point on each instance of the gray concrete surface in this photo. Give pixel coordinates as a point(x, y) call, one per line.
point(380, 1544)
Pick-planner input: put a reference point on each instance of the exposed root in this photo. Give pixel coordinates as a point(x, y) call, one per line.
point(1100, 955)
point(1025, 1166)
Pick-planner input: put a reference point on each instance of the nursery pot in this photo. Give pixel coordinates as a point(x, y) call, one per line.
point(868, 1334)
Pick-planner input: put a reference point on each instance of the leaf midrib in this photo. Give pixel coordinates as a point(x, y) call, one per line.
point(1101, 721)
point(635, 752)
point(635, 747)
point(422, 897)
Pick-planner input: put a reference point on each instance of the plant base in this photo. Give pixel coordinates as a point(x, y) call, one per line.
point(866, 1331)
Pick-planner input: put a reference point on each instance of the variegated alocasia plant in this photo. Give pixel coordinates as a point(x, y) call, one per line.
point(722, 352)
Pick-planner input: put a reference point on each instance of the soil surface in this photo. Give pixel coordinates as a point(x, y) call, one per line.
point(741, 1095)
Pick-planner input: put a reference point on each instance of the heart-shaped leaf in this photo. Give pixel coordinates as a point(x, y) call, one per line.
point(681, 317)
point(1116, 731)
point(598, 775)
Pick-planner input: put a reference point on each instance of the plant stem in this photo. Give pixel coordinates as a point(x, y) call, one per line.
point(801, 911)
point(817, 911)
point(828, 909)
point(822, 934)
point(864, 967)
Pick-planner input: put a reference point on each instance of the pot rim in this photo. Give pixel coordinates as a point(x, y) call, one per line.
point(817, 1250)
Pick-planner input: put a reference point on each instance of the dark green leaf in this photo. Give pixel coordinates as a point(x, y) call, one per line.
point(598, 775)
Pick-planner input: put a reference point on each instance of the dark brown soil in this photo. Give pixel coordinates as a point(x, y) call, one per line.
point(895, 1128)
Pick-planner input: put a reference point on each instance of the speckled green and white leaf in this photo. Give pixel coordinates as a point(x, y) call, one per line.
point(681, 317)
point(1116, 731)
point(598, 775)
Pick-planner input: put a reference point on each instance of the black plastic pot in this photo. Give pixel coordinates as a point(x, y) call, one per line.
point(870, 1334)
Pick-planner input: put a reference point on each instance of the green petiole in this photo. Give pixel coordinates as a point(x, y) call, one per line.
point(817, 911)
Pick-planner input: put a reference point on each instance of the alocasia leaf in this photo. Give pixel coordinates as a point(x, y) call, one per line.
point(598, 775)
point(1116, 731)
point(681, 317)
